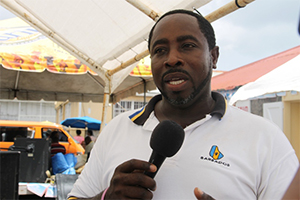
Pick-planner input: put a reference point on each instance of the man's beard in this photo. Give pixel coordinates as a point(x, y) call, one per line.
point(182, 101)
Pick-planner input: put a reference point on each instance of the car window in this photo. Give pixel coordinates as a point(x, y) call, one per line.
point(46, 132)
point(30, 132)
point(62, 137)
point(67, 130)
point(9, 134)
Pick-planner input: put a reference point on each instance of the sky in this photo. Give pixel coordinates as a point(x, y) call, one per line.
point(261, 29)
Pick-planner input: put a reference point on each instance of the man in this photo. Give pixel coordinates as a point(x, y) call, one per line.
point(91, 135)
point(89, 144)
point(227, 153)
point(55, 146)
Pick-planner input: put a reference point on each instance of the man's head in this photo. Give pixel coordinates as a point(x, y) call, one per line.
point(78, 132)
point(90, 133)
point(204, 26)
point(87, 140)
point(183, 54)
point(48, 133)
point(54, 137)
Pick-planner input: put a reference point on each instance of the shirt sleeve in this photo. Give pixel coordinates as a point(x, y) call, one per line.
point(280, 178)
point(279, 168)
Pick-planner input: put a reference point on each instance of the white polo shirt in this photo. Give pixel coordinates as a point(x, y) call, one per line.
point(230, 154)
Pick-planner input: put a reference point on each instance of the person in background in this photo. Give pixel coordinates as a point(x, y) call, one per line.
point(55, 146)
point(89, 144)
point(227, 153)
point(47, 134)
point(78, 137)
point(90, 133)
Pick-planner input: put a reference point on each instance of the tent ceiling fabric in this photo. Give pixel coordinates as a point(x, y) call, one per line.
point(50, 86)
point(102, 34)
point(24, 49)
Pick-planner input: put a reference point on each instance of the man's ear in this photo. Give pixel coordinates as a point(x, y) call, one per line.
point(215, 55)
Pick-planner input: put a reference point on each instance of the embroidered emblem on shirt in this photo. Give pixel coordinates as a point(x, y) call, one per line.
point(215, 156)
point(215, 153)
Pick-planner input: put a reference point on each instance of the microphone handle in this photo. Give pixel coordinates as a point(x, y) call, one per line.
point(156, 159)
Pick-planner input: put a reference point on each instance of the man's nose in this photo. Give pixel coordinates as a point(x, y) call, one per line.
point(174, 59)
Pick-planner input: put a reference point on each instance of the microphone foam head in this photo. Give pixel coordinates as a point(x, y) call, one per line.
point(167, 138)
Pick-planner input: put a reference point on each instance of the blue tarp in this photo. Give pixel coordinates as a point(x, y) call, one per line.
point(63, 163)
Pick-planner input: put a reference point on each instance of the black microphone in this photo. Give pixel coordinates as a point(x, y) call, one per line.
point(166, 140)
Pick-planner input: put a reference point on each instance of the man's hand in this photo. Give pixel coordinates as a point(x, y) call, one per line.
point(201, 195)
point(129, 181)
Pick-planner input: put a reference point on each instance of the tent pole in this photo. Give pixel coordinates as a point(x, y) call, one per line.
point(104, 110)
point(226, 9)
point(145, 9)
point(127, 63)
point(107, 91)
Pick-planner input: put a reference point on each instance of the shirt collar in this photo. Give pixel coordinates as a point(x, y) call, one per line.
point(140, 116)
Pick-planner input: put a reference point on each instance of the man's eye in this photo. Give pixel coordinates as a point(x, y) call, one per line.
point(159, 50)
point(188, 45)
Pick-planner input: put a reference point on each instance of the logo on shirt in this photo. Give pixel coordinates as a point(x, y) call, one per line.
point(215, 153)
point(215, 156)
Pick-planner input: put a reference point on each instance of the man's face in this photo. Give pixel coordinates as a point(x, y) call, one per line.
point(180, 59)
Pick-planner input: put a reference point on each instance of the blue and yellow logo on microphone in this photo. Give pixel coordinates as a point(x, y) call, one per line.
point(215, 153)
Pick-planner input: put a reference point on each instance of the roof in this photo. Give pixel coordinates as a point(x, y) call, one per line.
point(280, 80)
point(251, 72)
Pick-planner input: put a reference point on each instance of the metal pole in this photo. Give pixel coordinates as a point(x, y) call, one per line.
point(226, 9)
point(104, 110)
point(145, 9)
point(128, 63)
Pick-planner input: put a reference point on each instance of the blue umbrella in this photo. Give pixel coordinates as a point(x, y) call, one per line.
point(82, 122)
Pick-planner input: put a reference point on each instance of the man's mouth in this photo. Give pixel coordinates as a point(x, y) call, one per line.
point(175, 78)
point(176, 82)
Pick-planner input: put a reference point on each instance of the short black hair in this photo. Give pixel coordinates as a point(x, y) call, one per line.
point(87, 140)
point(78, 132)
point(90, 132)
point(54, 136)
point(204, 25)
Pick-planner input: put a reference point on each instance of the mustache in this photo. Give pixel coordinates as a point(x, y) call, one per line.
point(172, 70)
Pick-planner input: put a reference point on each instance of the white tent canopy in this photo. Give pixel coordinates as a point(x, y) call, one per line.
point(102, 34)
point(284, 78)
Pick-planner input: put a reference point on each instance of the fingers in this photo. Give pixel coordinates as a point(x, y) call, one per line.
point(136, 165)
point(131, 192)
point(129, 181)
point(131, 173)
point(201, 195)
point(198, 193)
point(134, 179)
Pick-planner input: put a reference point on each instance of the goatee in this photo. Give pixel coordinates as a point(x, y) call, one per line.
point(182, 101)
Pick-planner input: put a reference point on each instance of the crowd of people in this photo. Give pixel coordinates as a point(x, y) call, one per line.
point(87, 142)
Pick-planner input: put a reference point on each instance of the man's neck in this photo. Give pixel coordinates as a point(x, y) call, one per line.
point(184, 115)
